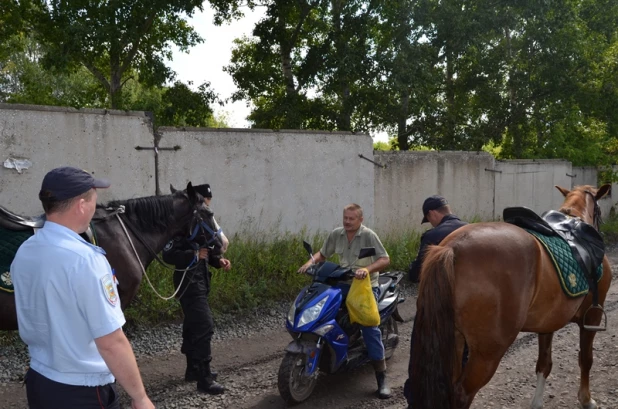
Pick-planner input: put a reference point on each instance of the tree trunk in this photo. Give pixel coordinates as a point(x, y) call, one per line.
point(286, 59)
point(512, 120)
point(402, 131)
point(344, 121)
point(115, 91)
point(449, 141)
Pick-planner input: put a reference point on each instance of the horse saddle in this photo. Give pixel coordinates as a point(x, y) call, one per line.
point(12, 221)
point(585, 241)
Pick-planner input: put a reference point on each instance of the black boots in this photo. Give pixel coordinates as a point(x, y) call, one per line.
point(384, 392)
point(206, 382)
point(191, 373)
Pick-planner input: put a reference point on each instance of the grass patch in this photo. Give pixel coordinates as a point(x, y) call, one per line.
point(263, 271)
point(402, 249)
point(609, 229)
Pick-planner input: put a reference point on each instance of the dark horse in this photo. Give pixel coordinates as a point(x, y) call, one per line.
point(484, 284)
point(147, 225)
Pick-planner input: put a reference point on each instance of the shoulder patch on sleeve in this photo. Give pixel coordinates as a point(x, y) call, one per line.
point(108, 289)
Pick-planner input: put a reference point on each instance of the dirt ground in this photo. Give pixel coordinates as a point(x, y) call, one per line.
point(248, 366)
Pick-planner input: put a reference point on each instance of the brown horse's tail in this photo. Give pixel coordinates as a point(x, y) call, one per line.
point(432, 353)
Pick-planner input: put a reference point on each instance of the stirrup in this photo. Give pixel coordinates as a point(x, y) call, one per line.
point(595, 328)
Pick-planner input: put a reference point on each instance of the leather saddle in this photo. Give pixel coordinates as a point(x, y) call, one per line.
point(585, 241)
point(12, 221)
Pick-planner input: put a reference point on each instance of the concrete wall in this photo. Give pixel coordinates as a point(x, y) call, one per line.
point(584, 175)
point(102, 142)
point(270, 181)
point(410, 177)
point(530, 183)
point(264, 180)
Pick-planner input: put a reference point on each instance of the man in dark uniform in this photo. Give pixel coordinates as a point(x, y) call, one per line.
point(436, 211)
point(198, 326)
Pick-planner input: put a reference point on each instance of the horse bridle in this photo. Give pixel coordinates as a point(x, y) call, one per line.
point(596, 215)
point(197, 221)
point(200, 225)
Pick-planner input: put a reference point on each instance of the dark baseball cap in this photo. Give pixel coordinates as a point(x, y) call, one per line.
point(204, 190)
point(67, 182)
point(432, 203)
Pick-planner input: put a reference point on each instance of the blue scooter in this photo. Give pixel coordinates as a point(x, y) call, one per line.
point(324, 338)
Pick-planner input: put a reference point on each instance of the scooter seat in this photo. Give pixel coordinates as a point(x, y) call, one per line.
point(384, 283)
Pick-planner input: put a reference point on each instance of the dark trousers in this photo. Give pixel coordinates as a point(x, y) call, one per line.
point(198, 324)
point(43, 393)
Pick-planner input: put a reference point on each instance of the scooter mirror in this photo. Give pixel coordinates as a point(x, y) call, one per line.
point(366, 252)
point(307, 247)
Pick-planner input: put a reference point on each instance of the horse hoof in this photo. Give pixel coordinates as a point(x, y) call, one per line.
point(590, 405)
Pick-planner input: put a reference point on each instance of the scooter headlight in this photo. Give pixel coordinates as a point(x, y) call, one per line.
point(292, 313)
point(311, 314)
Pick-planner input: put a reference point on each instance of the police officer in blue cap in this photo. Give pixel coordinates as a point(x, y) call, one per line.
point(68, 309)
point(436, 211)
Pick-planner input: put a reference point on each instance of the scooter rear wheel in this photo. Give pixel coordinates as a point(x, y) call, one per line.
point(294, 386)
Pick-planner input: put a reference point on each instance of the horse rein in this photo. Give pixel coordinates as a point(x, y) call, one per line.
point(200, 225)
point(596, 215)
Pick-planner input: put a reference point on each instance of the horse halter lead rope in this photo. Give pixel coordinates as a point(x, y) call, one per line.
point(596, 215)
point(201, 224)
point(142, 265)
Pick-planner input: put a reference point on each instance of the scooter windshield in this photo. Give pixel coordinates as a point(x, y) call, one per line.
point(331, 270)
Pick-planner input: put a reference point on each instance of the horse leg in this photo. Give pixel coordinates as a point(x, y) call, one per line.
point(585, 363)
point(543, 368)
point(477, 372)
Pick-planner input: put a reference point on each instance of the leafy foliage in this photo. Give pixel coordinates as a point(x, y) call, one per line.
point(113, 39)
point(529, 79)
point(533, 79)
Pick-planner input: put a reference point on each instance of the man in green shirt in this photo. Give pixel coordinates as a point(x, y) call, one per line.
point(346, 242)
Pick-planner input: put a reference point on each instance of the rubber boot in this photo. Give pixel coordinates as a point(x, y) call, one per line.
point(191, 373)
point(206, 383)
point(384, 392)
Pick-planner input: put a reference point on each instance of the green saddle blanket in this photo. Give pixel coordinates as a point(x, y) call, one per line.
point(572, 278)
point(9, 243)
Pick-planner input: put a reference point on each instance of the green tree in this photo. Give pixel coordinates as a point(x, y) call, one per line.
point(113, 39)
point(23, 80)
point(277, 71)
point(308, 66)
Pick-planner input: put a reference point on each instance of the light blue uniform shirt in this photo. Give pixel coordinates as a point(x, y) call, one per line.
point(65, 297)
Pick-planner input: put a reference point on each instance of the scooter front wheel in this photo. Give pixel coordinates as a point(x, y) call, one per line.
point(294, 385)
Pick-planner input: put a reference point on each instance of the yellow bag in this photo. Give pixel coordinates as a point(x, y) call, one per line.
point(362, 304)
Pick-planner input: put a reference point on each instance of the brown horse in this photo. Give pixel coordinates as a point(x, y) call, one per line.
point(482, 285)
point(147, 225)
